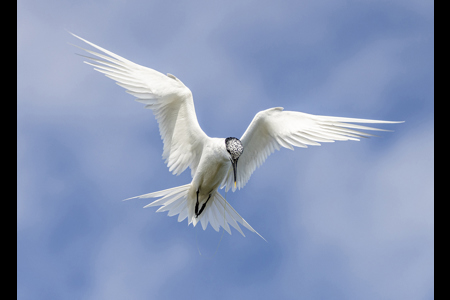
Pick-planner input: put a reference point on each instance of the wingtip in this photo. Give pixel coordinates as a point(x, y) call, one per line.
point(256, 233)
point(261, 237)
point(130, 198)
point(67, 30)
point(74, 35)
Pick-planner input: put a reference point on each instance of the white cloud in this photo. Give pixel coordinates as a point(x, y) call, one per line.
point(380, 220)
point(124, 263)
point(362, 80)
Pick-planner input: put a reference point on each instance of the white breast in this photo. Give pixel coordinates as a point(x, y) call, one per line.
point(212, 169)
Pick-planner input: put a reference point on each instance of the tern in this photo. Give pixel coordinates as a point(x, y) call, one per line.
point(215, 162)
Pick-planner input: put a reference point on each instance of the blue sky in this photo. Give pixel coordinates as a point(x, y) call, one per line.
point(348, 220)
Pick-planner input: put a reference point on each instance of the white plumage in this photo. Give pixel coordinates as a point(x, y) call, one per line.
point(212, 164)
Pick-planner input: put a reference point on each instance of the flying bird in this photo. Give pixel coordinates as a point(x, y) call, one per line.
point(215, 162)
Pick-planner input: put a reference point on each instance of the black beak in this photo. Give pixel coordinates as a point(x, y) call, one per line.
point(234, 163)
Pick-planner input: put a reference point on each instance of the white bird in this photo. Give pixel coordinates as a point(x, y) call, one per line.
point(215, 162)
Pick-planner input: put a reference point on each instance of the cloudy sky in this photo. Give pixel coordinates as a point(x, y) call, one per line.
point(348, 220)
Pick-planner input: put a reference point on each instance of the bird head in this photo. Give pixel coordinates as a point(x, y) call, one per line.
point(234, 148)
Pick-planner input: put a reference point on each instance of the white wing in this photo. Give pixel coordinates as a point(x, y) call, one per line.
point(274, 128)
point(169, 99)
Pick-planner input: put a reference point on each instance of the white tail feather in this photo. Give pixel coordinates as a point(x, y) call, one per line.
point(218, 211)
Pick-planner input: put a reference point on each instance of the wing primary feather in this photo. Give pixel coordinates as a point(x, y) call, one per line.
point(103, 50)
point(349, 125)
point(283, 143)
point(134, 88)
point(104, 69)
point(293, 141)
point(346, 131)
point(302, 138)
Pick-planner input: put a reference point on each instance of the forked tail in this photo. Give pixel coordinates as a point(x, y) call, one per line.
point(217, 211)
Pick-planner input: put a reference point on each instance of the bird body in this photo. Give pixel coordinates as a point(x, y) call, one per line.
point(213, 166)
point(212, 169)
point(215, 162)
